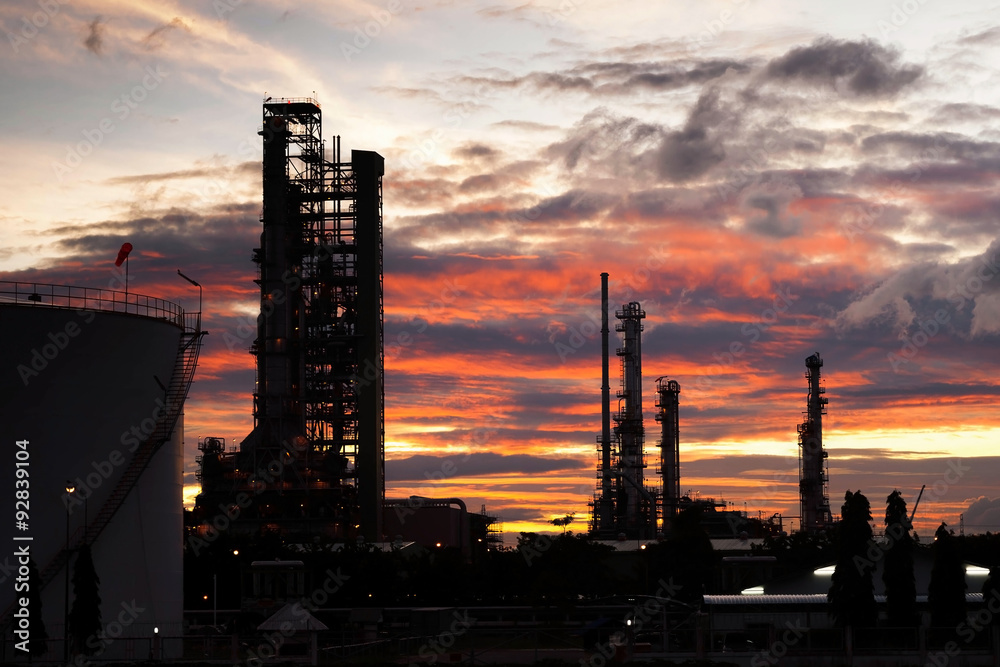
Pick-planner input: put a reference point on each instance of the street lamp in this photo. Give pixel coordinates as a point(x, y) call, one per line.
point(70, 488)
point(198, 285)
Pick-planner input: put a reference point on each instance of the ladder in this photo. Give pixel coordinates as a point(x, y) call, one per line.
point(175, 395)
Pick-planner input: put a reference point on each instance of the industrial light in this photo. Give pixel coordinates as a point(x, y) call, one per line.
point(976, 571)
point(754, 590)
point(829, 569)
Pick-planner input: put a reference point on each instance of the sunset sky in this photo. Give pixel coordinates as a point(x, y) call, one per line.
point(768, 178)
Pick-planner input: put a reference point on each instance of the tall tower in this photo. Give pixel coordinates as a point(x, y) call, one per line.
point(317, 448)
point(604, 509)
point(622, 504)
point(634, 503)
point(668, 392)
point(813, 476)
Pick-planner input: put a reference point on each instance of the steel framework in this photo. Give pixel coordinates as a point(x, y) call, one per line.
point(318, 438)
point(813, 474)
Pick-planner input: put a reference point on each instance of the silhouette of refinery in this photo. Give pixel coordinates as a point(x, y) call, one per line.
point(625, 507)
point(315, 460)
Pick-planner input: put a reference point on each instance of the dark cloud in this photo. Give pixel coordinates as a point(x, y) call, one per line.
point(772, 201)
point(988, 36)
point(963, 290)
point(983, 514)
point(692, 151)
point(94, 41)
point(861, 68)
point(472, 151)
point(964, 112)
point(479, 183)
point(424, 467)
point(932, 147)
point(613, 78)
point(156, 38)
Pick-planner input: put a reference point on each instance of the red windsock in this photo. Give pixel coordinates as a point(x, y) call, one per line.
point(123, 253)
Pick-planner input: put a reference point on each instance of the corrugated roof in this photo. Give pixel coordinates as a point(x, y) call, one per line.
point(801, 599)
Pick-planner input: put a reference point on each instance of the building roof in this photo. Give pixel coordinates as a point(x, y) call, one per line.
point(293, 617)
point(801, 599)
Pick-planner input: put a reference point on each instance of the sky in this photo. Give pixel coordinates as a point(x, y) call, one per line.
point(767, 178)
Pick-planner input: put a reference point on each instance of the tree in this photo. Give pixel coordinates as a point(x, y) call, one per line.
point(686, 557)
point(564, 521)
point(946, 592)
point(852, 595)
point(897, 573)
point(85, 616)
point(39, 636)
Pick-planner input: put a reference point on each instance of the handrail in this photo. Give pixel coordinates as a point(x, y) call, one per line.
point(44, 295)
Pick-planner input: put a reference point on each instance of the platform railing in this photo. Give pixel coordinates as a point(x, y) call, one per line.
point(90, 298)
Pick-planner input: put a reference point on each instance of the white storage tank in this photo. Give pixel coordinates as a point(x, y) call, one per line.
point(86, 376)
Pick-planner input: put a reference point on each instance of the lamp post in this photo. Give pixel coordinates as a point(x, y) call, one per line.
point(69, 491)
point(198, 285)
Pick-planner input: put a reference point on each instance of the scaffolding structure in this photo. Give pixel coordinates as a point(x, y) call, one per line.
point(668, 401)
point(316, 453)
point(623, 504)
point(814, 477)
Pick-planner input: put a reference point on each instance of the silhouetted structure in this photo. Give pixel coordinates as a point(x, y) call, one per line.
point(813, 475)
point(314, 462)
point(668, 398)
point(624, 504)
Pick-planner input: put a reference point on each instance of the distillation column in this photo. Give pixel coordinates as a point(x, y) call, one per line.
point(668, 392)
point(632, 506)
point(813, 477)
point(319, 401)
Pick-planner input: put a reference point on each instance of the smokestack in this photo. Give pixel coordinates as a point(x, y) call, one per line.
point(606, 488)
